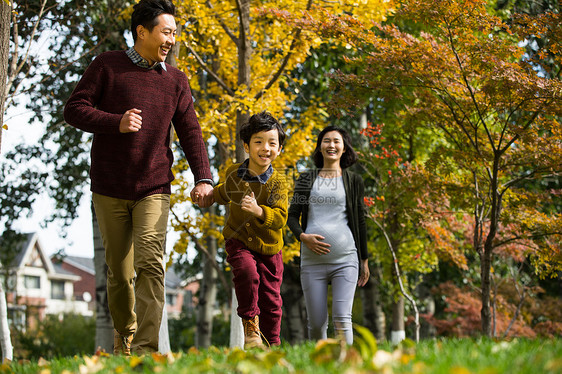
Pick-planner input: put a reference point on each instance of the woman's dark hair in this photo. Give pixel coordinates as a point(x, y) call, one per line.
point(348, 158)
point(262, 121)
point(146, 12)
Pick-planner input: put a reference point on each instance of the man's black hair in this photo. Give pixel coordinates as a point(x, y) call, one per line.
point(348, 158)
point(262, 121)
point(146, 12)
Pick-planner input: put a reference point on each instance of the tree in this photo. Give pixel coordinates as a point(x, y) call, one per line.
point(239, 57)
point(467, 78)
point(74, 31)
point(5, 341)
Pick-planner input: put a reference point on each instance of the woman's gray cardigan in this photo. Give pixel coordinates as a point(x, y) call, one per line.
point(354, 206)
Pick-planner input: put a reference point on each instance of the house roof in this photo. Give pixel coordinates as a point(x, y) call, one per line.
point(83, 263)
point(30, 252)
point(173, 280)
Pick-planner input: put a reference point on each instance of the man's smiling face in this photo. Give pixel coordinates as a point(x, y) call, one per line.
point(154, 45)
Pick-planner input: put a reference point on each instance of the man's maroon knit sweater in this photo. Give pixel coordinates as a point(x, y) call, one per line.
point(134, 165)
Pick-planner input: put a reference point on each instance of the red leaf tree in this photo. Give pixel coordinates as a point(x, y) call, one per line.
point(469, 77)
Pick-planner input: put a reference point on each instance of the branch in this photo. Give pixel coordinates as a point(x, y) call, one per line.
point(528, 237)
point(399, 277)
point(467, 84)
point(242, 31)
point(285, 60)
point(32, 87)
point(209, 71)
point(512, 182)
point(224, 25)
point(459, 122)
point(535, 115)
point(509, 117)
point(14, 71)
point(525, 127)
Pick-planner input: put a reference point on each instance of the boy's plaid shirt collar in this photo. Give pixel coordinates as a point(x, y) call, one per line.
point(245, 174)
point(141, 62)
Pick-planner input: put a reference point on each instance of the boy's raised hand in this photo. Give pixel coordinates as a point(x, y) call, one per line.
point(250, 205)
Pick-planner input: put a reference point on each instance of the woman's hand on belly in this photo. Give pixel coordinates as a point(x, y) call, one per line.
point(315, 243)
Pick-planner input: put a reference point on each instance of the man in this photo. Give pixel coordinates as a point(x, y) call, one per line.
point(128, 100)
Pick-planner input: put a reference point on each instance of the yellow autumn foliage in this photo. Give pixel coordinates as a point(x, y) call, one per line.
point(213, 55)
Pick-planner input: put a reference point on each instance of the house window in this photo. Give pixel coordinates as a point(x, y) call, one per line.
point(32, 282)
point(57, 290)
point(171, 299)
point(16, 317)
point(188, 301)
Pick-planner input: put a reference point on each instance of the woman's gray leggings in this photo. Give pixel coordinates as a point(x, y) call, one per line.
point(315, 280)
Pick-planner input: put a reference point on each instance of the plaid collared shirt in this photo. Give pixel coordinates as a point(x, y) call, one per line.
point(142, 62)
point(244, 173)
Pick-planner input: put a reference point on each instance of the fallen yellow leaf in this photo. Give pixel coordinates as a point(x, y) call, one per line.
point(459, 370)
point(135, 361)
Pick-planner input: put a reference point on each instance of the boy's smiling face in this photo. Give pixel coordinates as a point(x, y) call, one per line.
point(264, 147)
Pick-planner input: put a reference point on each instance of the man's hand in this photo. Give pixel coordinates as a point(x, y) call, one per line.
point(131, 121)
point(202, 195)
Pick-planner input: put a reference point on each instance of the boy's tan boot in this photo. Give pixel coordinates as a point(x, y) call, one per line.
point(122, 343)
point(252, 333)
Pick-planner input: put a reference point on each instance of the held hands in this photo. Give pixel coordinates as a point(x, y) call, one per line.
point(131, 121)
point(250, 205)
point(202, 195)
point(315, 243)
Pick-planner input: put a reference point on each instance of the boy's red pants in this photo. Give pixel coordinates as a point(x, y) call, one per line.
point(257, 283)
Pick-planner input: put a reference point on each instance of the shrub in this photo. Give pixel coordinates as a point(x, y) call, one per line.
point(57, 336)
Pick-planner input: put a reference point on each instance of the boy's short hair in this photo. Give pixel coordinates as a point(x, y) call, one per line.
point(146, 12)
point(262, 121)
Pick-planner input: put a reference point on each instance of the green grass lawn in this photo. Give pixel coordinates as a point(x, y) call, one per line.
point(451, 356)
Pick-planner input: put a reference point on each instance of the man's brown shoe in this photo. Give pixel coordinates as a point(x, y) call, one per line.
point(252, 333)
point(122, 343)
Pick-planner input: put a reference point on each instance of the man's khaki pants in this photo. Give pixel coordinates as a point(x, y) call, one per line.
point(133, 234)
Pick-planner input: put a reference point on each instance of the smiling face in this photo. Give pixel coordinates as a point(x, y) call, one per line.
point(264, 147)
point(154, 45)
point(332, 147)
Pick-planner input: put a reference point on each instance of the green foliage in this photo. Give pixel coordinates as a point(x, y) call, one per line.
point(183, 330)
point(74, 32)
point(67, 335)
point(18, 188)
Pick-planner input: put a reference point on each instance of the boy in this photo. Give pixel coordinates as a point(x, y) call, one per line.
point(257, 195)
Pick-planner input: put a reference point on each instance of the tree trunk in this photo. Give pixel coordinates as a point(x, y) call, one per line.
point(104, 323)
point(486, 257)
point(294, 325)
point(5, 340)
point(163, 334)
point(485, 313)
point(236, 328)
point(244, 69)
point(373, 315)
point(5, 11)
point(207, 293)
point(398, 333)
point(244, 79)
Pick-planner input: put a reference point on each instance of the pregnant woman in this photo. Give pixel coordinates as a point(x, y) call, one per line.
point(327, 216)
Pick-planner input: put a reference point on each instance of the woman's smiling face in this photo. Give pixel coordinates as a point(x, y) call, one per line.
point(332, 146)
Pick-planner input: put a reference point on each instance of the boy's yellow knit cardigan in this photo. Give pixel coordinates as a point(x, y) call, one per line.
point(266, 236)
